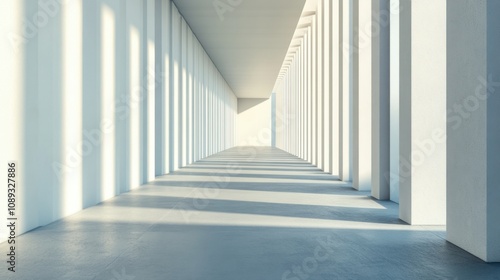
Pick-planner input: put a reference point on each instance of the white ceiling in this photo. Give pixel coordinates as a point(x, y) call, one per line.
point(249, 43)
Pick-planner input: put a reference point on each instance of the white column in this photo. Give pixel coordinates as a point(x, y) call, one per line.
point(201, 105)
point(299, 103)
point(150, 39)
point(346, 121)
point(285, 111)
point(319, 83)
point(380, 99)
point(394, 103)
point(423, 112)
point(310, 94)
point(334, 81)
point(293, 88)
point(97, 92)
point(122, 139)
point(329, 109)
point(19, 80)
point(40, 171)
point(314, 92)
point(71, 96)
point(204, 105)
point(210, 105)
point(473, 136)
point(196, 101)
point(183, 134)
point(294, 108)
point(362, 93)
point(279, 116)
point(216, 111)
point(175, 90)
point(291, 112)
point(209, 108)
point(189, 97)
point(134, 81)
point(304, 96)
point(163, 90)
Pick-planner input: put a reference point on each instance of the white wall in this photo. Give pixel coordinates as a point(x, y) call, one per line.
point(88, 95)
point(254, 122)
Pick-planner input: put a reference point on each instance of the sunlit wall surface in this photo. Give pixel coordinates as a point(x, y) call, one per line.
point(91, 106)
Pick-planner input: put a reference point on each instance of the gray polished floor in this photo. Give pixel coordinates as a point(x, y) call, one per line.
point(248, 213)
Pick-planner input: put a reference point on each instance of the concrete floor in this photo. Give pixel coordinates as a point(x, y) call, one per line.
point(252, 213)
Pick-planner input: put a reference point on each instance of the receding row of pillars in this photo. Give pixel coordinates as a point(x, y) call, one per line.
point(195, 109)
point(398, 97)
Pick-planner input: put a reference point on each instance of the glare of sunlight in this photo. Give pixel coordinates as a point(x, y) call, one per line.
point(71, 81)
